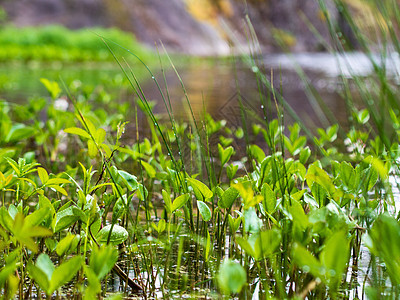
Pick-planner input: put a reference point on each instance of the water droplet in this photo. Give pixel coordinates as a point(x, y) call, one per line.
point(169, 154)
point(179, 152)
point(255, 69)
point(155, 123)
point(262, 106)
point(152, 77)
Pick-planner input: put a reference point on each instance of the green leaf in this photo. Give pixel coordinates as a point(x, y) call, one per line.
point(204, 210)
point(65, 218)
point(77, 131)
point(118, 235)
point(267, 242)
point(383, 242)
point(234, 223)
point(44, 177)
point(57, 181)
point(92, 149)
point(231, 171)
point(228, 197)
point(37, 217)
point(149, 169)
point(103, 259)
point(208, 247)
point(5, 219)
point(39, 276)
point(65, 244)
point(269, 198)
point(201, 187)
point(231, 277)
point(167, 200)
point(347, 174)
point(180, 201)
point(65, 272)
point(100, 136)
point(257, 153)
point(304, 259)
point(59, 189)
point(224, 154)
point(129, 179)
point(378, 165)
point(305, 154)
point(52, 87)
point(252, 223)
point(44, 263)
point(19, 132)
point(334, 257)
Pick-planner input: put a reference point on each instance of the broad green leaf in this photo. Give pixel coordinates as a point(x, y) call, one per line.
point(44, 263)
point(161, 225)
point(19, 132)
point(100, 136)
point(6, 271)
point(57, 181)
point(59, 189)
point(118, 235)
point(167, 200)
point(44, 177)
point(252, 223)
point(65, 218)
point(37, 217)
point(130, 180)
point(65, 272)
point(318, 175)
point(228, 197)
point(201, 187)
point(231, 277)
point(269, 198)
point(204, 210)
point(245, 190)
point(64, 245)
point(39, 276)
point(103, 259)
point(305, 154)
point(378, 165)
point(267, 242)
point(231, 171)
point(257, 153)
point(180, 201)
point(92, 149)
point(224, 154)
point(305, 260)
point(5, 219)
point(334, 257)
point(149, 169)
point(347, 174)
point(52, 87)
point(383, 242)
point(77, 131)
point(234, 223)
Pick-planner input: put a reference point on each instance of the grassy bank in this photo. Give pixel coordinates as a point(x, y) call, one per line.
point(57, 43)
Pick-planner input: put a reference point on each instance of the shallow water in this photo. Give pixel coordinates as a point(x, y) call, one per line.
point(213, 86)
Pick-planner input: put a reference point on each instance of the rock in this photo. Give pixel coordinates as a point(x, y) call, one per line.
point(209, 30)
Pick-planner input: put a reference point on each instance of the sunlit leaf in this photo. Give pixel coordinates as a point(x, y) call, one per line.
point(204, 210)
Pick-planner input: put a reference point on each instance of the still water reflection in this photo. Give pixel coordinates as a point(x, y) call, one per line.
point(213, 86)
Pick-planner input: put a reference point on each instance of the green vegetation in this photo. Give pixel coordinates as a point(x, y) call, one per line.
point(57, 43)
point(200, 208)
